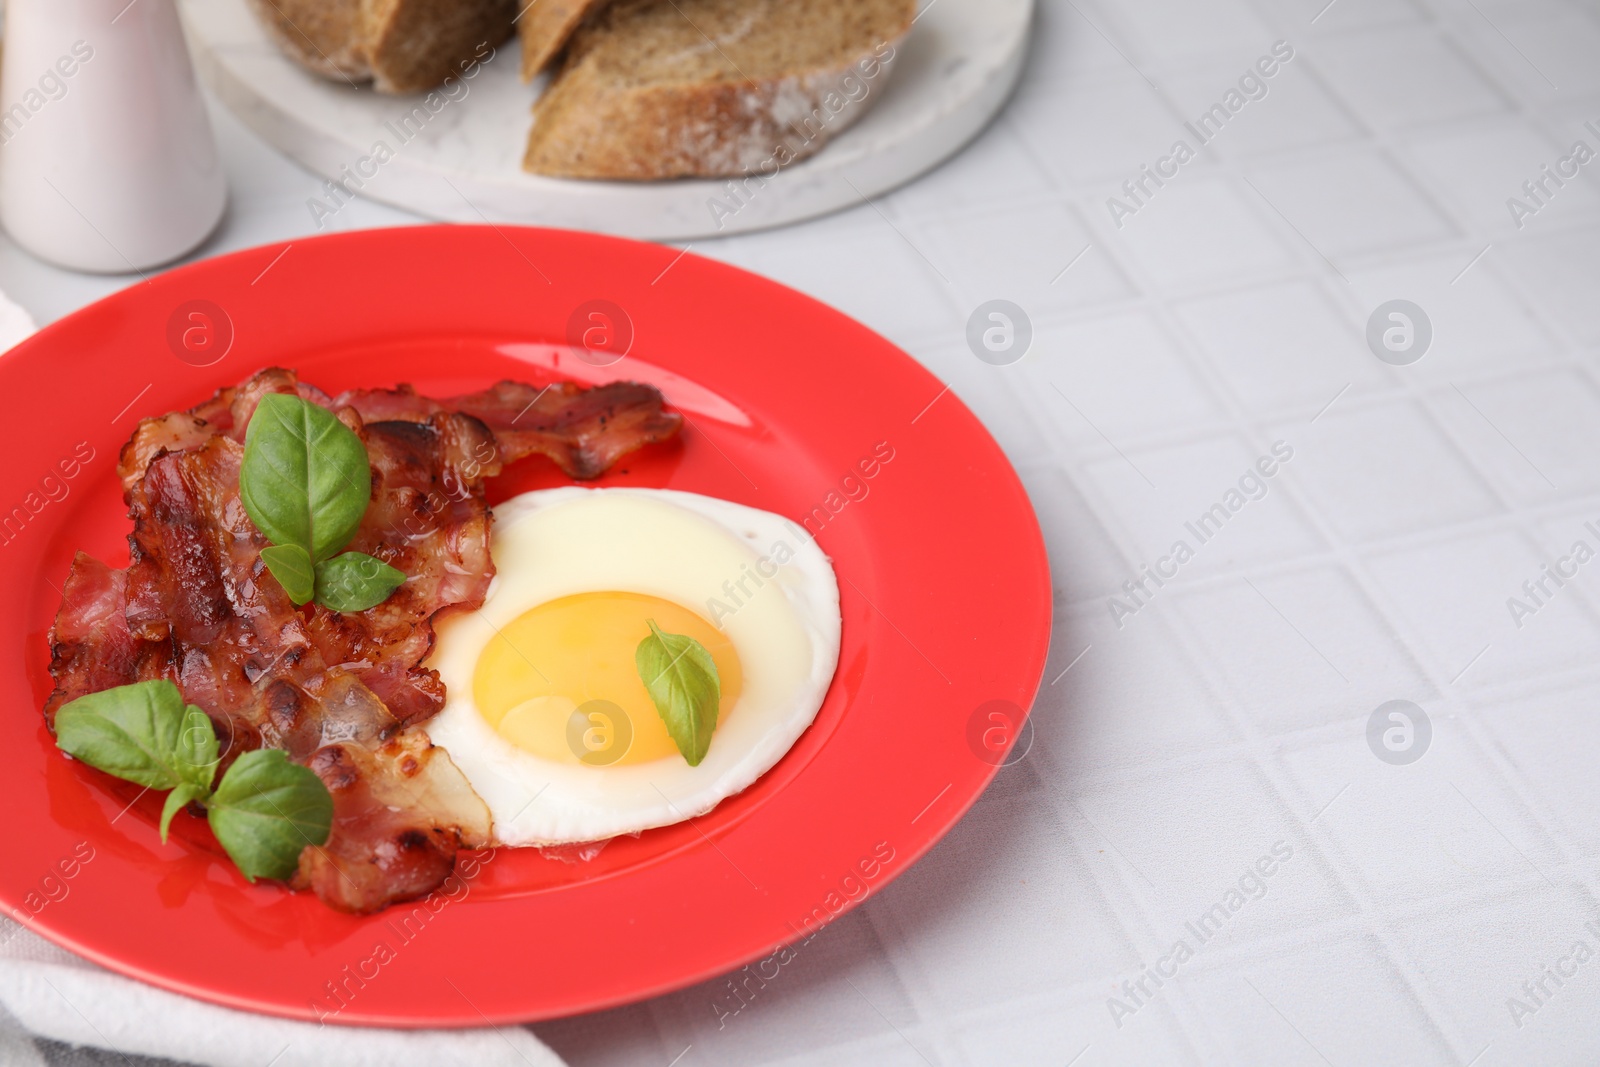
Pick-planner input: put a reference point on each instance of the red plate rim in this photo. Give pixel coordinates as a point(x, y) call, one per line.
point(945, 592)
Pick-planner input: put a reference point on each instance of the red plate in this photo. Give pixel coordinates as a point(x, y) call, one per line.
point(945, 595)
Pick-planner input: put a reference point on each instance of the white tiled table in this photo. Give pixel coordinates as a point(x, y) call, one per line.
point(1229, 714)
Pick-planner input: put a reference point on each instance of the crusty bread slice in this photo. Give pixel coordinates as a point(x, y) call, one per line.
point(546, 25)
point(324, 36)
point(399, 45)
point(711, 88)
point(417, 44)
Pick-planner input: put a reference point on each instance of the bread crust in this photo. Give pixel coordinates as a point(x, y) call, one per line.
point(545, 26)
point(598, 121)
point(399, 46)
point(413, 45)
point(323, 36)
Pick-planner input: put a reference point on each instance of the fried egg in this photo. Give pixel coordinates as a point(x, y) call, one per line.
point(546, 713)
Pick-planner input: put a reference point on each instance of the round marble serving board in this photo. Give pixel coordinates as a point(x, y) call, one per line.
point(950, 76)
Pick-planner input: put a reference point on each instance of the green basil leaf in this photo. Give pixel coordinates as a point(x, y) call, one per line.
point(136, 732)
point(177, 800)
point(305, 479)
point(355, 581)
point(266, 809)
point(681, 678)
point(195, 753)
point(291, 565)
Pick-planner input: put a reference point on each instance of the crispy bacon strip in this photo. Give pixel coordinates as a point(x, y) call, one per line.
point(208, 616)
point(377, 850)
point(584, 431)
point(226, 414)
point(340, 693)
point(427, 518)
point(91, 647)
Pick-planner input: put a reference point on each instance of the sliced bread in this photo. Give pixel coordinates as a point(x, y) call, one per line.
point(711, 88)
point(398, 45)
point(546, 25)
point(325, 37)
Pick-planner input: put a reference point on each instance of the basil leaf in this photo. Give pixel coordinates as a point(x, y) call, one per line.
point(266, 809)
point(136, 732)
point(291, 565)
point(305, 479)
point(177, 800)
point(195, 753)
point(681, 678)
point(355, 581)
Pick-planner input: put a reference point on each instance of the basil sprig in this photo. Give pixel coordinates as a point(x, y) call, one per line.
point(263, 812)
point(305, 483)
point(682, 680)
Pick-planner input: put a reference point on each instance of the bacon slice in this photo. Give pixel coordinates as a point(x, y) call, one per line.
point(227, 414)
point(427, 518)
point(214, 621)
point(584, 431)
point(91, 647)
point(377, 851)
point(339, 693)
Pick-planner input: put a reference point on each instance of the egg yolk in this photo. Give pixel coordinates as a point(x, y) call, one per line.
point(560, 681)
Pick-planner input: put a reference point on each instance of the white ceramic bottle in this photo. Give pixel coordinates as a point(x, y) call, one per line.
point(107, 162)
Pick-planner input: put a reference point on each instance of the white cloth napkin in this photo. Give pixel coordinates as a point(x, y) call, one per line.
point(46, 992)
point(15, 322)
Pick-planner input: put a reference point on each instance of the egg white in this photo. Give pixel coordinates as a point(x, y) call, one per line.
point(681, 547)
